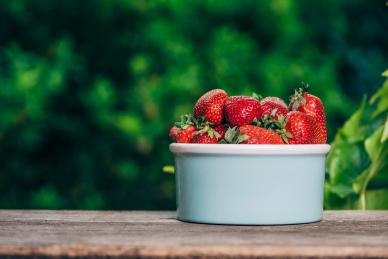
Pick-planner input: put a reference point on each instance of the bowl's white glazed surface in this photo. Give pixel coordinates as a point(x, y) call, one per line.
point(249, 184)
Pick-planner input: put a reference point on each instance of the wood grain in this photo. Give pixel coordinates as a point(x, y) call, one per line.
point(39, 233)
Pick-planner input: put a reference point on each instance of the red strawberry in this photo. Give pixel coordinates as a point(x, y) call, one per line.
point(221, 130)
point(208, 135)
point(185, 134)
point(257, 135)
point(204, 138)
point(312, 105)
point(303, 127)
point(242, 110)
point(174, 132)
point(269, 104)
point(210, 105)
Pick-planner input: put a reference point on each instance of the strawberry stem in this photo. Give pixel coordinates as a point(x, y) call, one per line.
point(257, 96)
point(278, 126)
point(233, 136)
point(305, 87)
point(189, 119)
point(297, 98)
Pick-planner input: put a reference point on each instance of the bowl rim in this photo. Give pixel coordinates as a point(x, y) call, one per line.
point(251, 149)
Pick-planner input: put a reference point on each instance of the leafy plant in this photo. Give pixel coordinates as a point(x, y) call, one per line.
point(357, 164)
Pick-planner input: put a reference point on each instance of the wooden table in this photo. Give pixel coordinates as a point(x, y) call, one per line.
point(43, 233)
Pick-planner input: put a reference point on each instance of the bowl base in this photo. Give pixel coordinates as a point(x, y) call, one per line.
point(258, 223)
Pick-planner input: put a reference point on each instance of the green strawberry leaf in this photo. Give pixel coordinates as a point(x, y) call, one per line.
point(273, 112)
point(233, 136)
point(242, 138)
point(218, 135)
point(257, 96)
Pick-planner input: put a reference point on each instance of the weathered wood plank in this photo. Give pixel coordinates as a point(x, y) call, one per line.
point(115, 233)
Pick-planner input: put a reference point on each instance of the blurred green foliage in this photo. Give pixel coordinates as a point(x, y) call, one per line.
point(89, 89)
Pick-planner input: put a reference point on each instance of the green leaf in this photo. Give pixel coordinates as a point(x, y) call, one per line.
point(333, 201)
point(342, 190)
point(382, 97)
point(242, 138)
point(377, 199)
point(344, 163)
point(218, 135)
point(273, 112)
point(378, 153)
point(384, 137)
point(357, 162)
point(232, 136)
point(374, 146)
point(257, 96)
point(353, 129)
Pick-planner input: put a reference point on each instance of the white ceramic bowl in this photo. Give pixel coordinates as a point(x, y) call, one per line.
point(249, 184)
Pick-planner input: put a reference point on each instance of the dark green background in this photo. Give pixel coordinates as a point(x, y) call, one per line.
point(89, 89)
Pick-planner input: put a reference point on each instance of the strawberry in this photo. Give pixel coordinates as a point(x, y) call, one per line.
point(269, 104)
point(303, 127)
point(204, 139)
point(221, 130)
point(174, 132)
point(242, 110)
point(312, 105)
point(210, 106)
point(208, 135)
point(184, 130)
point(185, 134)
point(257, 135)
point(269, 122)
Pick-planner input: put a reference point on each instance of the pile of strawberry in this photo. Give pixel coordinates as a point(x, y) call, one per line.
point(218, 118)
